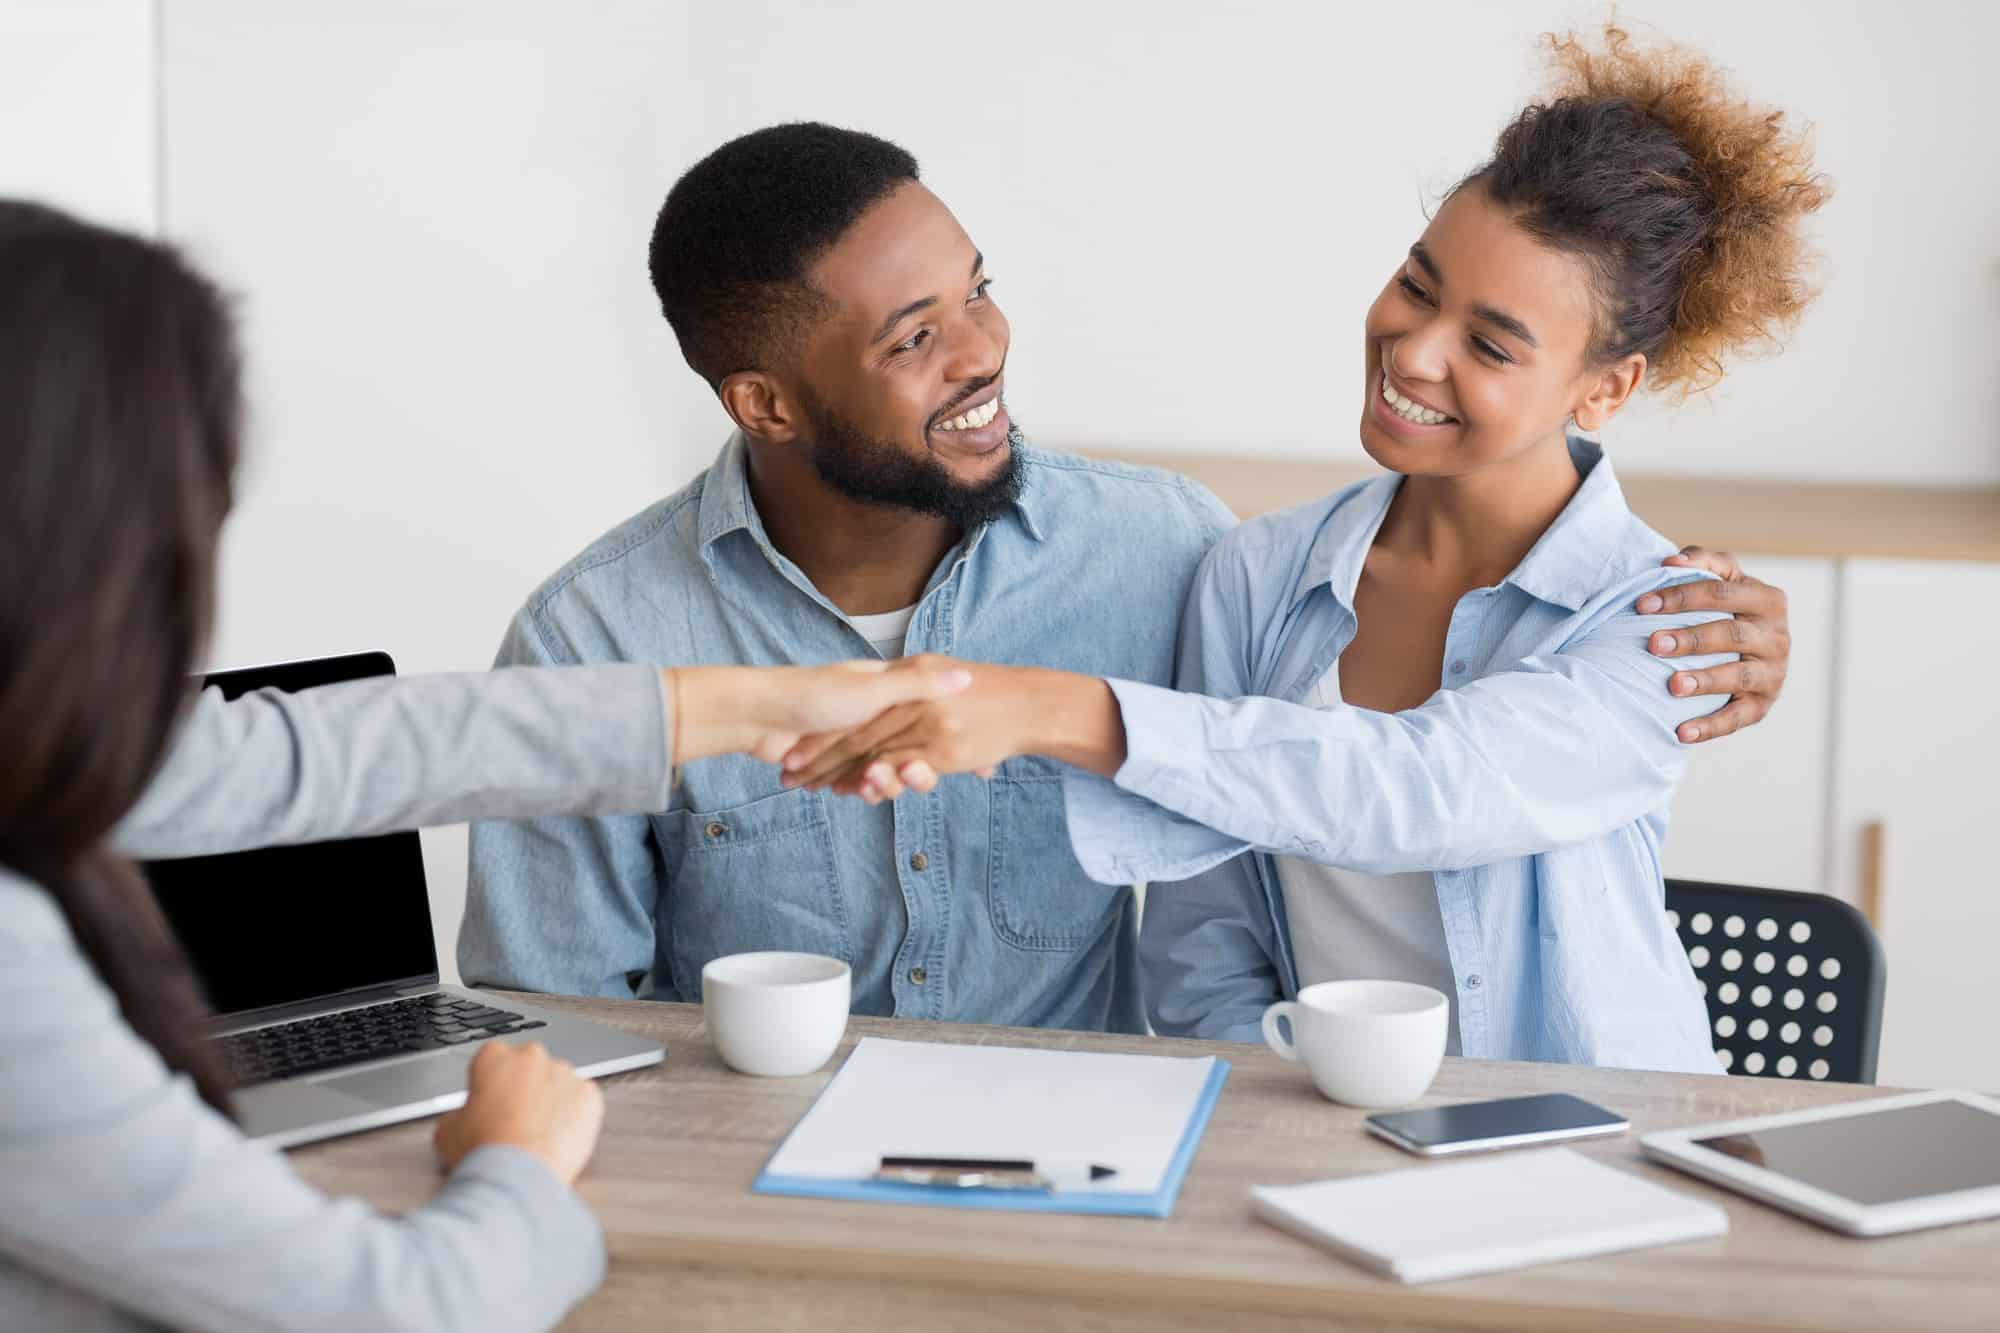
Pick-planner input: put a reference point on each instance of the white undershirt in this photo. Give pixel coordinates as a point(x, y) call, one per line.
point(1348, 924)
point(886, 631)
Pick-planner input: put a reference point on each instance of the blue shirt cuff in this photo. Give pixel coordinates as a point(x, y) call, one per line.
point(1120, 830)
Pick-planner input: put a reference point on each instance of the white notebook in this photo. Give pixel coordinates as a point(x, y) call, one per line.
point(1424, 1223)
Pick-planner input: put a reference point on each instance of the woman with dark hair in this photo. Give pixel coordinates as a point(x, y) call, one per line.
point(130, 1196)
point(1434, 718)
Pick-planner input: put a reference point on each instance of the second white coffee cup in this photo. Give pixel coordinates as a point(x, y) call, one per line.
point(775, 1014)
point(1366, 1043)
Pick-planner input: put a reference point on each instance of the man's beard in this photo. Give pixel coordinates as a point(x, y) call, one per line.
point(877, 472)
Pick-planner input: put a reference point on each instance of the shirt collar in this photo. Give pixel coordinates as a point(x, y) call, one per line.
point(726, 504)
point(725, 495)
point(1565, 567)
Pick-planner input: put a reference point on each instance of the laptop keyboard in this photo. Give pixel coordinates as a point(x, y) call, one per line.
point(423, 1023)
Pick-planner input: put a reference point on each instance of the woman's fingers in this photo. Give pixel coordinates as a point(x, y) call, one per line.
point(879, 782)
point(809, 748)
point(814, 760)
point(914, 679)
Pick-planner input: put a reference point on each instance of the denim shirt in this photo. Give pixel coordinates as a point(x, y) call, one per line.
point(965, 904)
point(1534, 784)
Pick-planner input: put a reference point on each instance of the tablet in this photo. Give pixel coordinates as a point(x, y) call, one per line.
point(1924, 1159)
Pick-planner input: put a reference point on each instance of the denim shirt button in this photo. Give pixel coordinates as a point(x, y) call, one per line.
point(715, 830)
point(1458, 667)
point(1473, 982)
point(920, 863)
point(918, 976)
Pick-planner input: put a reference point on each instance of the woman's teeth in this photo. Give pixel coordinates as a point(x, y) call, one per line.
point(1409, 411)
point(979, 416)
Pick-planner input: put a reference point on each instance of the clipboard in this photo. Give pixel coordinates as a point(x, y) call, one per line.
point(1143, 1114)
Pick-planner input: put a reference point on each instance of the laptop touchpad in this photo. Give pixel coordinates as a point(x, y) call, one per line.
point(271, 1108)
point(410, 1081)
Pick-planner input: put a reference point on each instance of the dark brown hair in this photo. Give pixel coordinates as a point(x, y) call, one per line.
point(1686, 201)
point(119, 427)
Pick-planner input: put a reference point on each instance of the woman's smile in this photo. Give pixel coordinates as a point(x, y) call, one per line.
point(1404, 415)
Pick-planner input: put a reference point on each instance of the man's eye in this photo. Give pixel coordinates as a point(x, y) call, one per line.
point(979, 292)
point(1410, 289)
point(1489, 349)
point(914, 341)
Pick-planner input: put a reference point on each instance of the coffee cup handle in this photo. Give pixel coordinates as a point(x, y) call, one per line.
point(1272, 1037)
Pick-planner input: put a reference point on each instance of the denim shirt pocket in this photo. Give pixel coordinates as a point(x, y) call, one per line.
point(751, 877)
point(1039, 897)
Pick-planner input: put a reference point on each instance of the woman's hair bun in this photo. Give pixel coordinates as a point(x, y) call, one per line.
point(1689, 201)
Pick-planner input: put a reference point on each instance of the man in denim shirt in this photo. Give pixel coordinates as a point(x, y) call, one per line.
point(876, 497)
point(876, 491)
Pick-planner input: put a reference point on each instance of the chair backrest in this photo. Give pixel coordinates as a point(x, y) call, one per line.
point(1793, 980)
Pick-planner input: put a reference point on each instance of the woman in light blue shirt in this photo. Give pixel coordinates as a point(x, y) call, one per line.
point(1427, 703)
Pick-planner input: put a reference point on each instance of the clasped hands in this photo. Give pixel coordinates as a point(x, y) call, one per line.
point(972, 730)
point(990, 714)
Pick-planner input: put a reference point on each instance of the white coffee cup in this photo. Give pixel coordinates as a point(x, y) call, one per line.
point(1366, 1043)
point(775, 1014)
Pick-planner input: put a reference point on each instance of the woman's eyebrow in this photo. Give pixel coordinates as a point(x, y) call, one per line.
point(1499, 319)
point(1506, 323)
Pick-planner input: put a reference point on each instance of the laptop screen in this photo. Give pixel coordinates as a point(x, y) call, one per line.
point(285, 924)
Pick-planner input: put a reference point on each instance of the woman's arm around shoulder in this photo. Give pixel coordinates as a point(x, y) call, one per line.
point(1556, 749)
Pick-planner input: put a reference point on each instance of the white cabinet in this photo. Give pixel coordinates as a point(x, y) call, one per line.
point(1752, 808)
point(1919, 659)
point(1889, 728)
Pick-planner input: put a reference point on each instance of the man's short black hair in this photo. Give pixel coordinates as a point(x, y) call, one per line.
point(739, 231)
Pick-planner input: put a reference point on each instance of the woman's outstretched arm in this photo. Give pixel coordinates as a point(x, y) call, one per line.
point(371, 756)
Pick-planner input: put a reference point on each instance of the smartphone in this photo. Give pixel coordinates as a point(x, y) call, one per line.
point(1510, 1122)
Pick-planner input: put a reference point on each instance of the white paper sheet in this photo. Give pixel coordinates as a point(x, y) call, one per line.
point(929, 1099)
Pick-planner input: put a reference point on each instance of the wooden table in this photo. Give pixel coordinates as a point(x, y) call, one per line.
point(692, 1248)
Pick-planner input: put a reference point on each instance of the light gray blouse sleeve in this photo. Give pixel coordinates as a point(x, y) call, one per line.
point(122, 1184)
point(372, 756)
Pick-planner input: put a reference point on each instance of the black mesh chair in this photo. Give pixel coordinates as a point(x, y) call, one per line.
point(1793, 980)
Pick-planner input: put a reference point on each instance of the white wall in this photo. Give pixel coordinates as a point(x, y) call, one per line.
point(436, 215)
point(77, 91)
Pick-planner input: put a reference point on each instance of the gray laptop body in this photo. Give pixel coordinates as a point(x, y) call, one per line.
point(321, 959)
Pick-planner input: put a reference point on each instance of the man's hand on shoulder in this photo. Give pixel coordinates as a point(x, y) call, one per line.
point(1757, 629)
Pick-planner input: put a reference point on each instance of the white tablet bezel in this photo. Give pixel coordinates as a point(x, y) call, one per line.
point(1677, 1148)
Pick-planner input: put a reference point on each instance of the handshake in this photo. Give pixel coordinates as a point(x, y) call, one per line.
point(877, 729)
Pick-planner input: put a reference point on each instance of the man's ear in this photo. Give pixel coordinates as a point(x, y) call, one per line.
point(1615, 384)
point(760, 406)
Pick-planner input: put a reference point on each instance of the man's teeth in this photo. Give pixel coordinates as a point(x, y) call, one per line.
point(979, 416)
point(1408, 410)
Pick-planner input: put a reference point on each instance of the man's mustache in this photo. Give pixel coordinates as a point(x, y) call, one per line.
point(950, 411)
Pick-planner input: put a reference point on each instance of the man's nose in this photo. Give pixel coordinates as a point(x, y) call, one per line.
point(977, 352)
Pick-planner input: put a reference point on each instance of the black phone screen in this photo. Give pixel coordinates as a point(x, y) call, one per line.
point(1509, 1117)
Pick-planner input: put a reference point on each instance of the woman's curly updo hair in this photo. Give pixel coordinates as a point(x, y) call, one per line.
point(1687, 202)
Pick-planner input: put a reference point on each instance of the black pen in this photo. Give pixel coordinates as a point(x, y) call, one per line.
point(1003, 1173)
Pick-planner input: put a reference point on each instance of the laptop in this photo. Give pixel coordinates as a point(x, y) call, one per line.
point(320, 963)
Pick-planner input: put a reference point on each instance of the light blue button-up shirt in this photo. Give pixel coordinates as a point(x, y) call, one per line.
point(1534, 784)
point(965, 904)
